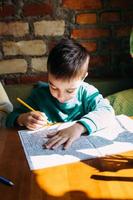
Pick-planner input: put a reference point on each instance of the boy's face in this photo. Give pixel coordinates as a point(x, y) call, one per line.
point(63, 90)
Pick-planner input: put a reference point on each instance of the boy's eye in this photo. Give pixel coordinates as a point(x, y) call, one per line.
point(70, 91)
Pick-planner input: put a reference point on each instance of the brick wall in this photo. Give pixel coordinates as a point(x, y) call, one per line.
point(29, 29)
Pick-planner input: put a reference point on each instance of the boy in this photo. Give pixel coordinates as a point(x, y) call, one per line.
point(5, 106)
point(65, 98)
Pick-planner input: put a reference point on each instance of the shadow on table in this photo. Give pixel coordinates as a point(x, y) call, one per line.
point(111, 163)
point(72, 195)
point(77, 195)
point(111, 178)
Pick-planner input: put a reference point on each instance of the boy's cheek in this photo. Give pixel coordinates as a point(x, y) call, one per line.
point(53, 93)
point(71, 96)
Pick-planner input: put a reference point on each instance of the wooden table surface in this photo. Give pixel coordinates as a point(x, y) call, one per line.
point(102, 178)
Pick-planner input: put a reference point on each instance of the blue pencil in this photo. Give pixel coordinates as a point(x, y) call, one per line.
point(6, 181)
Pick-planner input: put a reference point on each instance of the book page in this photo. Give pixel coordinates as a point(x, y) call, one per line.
point(117, 139)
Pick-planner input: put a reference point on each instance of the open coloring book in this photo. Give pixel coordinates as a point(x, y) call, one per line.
point(117, 139)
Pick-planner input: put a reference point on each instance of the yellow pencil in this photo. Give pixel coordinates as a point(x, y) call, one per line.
point(25, 104)
point(30, 108)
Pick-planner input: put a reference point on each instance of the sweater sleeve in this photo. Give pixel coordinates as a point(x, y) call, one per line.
point(12, 117)
point(99, 112)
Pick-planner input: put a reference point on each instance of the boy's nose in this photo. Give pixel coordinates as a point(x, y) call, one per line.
point(59, 95)
point(61, 98)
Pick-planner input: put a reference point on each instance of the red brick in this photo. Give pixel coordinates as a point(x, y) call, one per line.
point(7, 10)
point(82, 4)
point(37, 9)
point(89, 18)
point(121, 3)
point(90, 46)
point(123, 31)
point(98, 61)
point(90, 33)
point(110, 17)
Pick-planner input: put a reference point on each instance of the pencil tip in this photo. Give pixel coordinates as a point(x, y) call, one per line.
point(11, 183)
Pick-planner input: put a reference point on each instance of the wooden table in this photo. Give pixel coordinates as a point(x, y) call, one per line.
point(101, 178)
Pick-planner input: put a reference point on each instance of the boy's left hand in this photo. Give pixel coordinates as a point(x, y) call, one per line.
point(65, 136)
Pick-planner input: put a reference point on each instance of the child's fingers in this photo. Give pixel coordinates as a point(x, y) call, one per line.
point(59, 143)
point(36, 121)
point(37, 115)
point(55, 141)
point(38, 118)
point(50, 135)
point(51, 142)
point(43, 115)
point(33, 126)
point(68, 143)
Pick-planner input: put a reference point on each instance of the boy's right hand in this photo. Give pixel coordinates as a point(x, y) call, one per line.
point(32, 120)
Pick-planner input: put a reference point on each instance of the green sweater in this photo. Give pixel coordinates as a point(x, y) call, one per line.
point(88, 107)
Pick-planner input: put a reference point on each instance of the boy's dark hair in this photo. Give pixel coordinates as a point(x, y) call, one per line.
point(66, 59)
